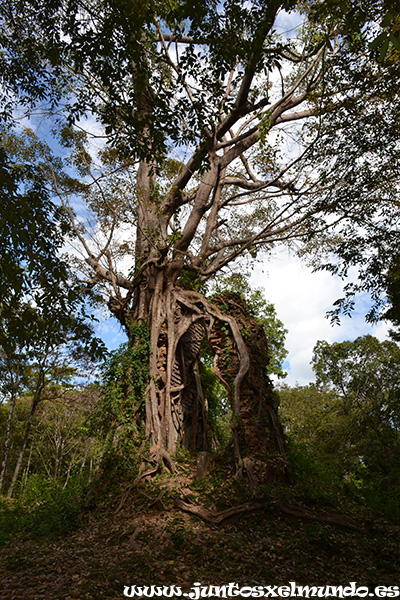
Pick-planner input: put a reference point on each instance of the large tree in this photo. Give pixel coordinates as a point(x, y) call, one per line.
point(345, 426)
point(229, 131)
point(365, 375)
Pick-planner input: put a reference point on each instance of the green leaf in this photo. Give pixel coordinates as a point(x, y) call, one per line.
point(378, 40)
point(384, 49)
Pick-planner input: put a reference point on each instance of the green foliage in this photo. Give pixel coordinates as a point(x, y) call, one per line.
point(220, 413)
point(219, 98)
point(365, 373)
point(313, 429)
point(111, 55)
point(381, 494)
point(189, 280)
point(125, 377)
point(119, 415)
point(314, 480)
point(392, 312)
point(60, 445)
point(357, 133)
point(41, 303)
point(349, 423)
point(345, 171)
point(47, 509)
point(377, 21)
point(32, 229)
point(20, 417)
point(305, 412)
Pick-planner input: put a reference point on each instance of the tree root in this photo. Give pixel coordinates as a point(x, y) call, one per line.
point(142, 475)
point(266, 505)
point(160, 456)
point(212, 516)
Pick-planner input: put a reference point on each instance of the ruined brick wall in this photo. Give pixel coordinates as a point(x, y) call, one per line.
point(260, 435)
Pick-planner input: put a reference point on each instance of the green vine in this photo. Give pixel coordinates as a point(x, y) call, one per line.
point(120, 413)
point(227, 346)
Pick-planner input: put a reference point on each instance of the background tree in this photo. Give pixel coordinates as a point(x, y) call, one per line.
point(54, 359)
point(62, 446)
point(41, 305)
point(14, 373)
point(207, 161)
point(365, 374)
point(348, 423)
point(392, 312)
point(119, 416)
point(315, 430)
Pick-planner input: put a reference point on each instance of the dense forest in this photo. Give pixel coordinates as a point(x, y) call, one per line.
point(151, 154)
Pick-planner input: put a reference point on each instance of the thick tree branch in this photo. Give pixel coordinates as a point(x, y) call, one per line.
point(108, 274)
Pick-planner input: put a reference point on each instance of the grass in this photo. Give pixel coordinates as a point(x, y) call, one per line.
point(45, 510)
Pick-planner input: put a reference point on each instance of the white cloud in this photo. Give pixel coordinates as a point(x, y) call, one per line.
point(287, 22)
point(302, 299)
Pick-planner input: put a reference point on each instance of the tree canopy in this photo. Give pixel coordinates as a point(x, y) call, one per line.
point(212, 97)
point(365, 373)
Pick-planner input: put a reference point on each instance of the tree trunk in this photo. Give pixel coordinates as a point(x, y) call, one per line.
point(28, 466)
point(176, 407)
point(7, 439)
point(34, 406)
point(257, 435)
point(176, 412)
